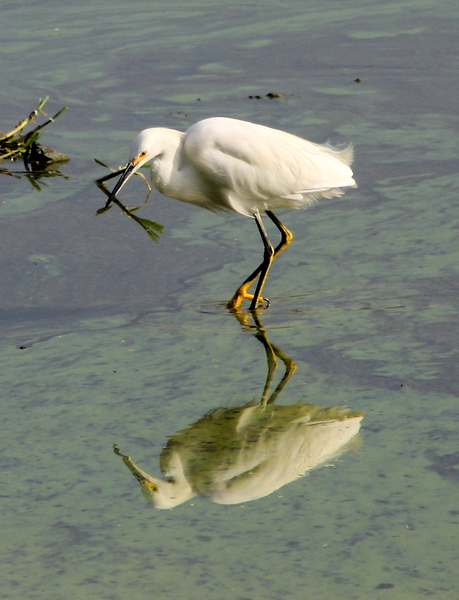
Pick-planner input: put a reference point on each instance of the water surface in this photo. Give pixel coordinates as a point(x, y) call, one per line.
point(109, 338)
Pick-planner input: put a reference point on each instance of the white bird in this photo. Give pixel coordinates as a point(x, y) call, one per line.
point(235, 455)
point(226, 164)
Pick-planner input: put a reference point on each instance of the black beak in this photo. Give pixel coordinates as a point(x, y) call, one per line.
point(128, 171)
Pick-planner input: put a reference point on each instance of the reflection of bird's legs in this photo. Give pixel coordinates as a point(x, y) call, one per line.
point(272, 363)
point(290, 368)
point(273, 352)
point(270, 254)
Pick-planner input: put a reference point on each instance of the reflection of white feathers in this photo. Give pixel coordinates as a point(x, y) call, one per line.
point(236, 455)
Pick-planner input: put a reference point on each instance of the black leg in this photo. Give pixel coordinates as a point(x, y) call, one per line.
point(268, 257)
point(286, 239)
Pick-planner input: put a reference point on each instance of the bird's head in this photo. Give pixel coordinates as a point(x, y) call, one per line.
point(159, 492)
point(164, 494)
point(144, 148)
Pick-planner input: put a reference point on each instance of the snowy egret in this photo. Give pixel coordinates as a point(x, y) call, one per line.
point(226, 164)
point(236, 455)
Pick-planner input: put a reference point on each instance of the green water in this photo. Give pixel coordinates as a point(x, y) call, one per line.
point(109, 338)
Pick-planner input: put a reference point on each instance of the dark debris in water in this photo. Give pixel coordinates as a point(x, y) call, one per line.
point(270, 95)
point(18, 144)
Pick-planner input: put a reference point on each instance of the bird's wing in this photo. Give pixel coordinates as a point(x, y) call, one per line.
point(255, 162)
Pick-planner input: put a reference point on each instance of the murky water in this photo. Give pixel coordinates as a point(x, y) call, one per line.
point(109, 338)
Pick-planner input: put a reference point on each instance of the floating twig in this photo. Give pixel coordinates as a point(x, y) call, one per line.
point(16, 144)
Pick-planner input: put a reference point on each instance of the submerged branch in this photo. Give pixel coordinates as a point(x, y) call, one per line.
point(16, 144)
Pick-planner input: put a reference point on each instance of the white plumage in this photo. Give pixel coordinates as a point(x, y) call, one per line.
point(242, 454)
point(226, 164)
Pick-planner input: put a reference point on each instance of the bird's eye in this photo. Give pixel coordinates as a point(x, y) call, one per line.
point(149, 484)
point(142, 154)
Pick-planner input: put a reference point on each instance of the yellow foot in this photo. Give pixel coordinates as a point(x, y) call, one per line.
point(240, 295)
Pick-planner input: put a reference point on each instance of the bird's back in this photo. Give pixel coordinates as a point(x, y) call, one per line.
point(250, 166)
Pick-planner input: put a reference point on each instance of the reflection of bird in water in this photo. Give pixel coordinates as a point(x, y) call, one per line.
point(240, 454)
point(234, 455)
point(225, 164)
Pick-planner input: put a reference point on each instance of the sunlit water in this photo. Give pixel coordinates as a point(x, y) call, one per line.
point(109, 338)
